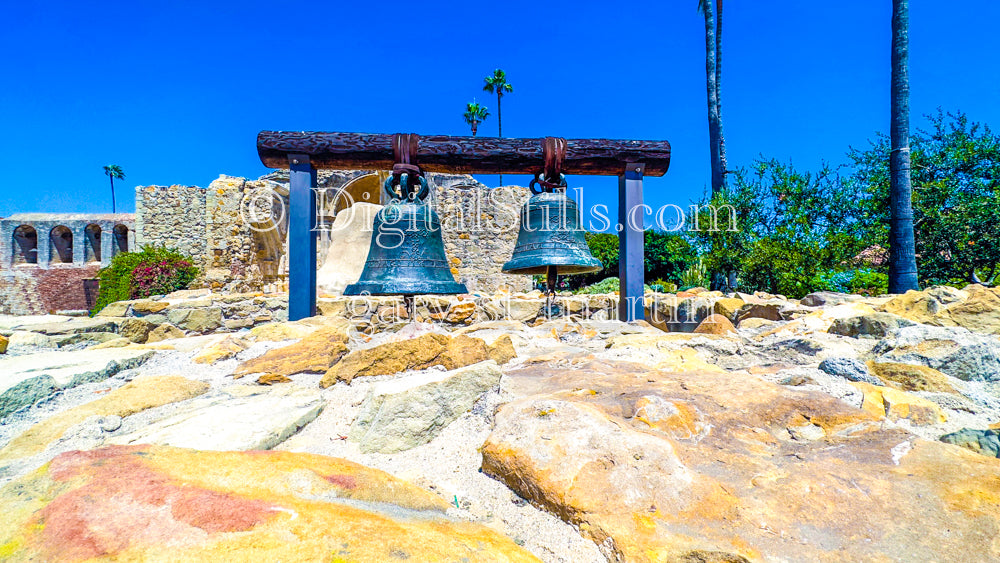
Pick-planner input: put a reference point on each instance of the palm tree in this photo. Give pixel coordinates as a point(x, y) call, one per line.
point(497, 84)
point(113, 171)
point(474, 115)
point(902, 253)
point(713, 75)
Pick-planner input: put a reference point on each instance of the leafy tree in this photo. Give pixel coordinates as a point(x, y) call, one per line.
point(667, 256)
point(497, 84)
point(474, 115)
point(956, 198)
point(792, 227)
point(151, 271)
point(902, 248)
point(113, 171)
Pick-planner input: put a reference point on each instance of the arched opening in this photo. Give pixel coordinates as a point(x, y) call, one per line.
point(92, 250)
point(121, 239)
point(61, 239)
point(25, 245)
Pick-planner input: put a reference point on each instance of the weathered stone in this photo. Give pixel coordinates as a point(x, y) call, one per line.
point(895, 404)
point(24, 380)
point(236, 324)
point(4, 342)
point(952, 350)
point(875, 325)
point(275, 332)
point(980, 312)
point(182, 294)
point(115, 309)
point(146, 307)
point(767, 311)
point(754, 324)
point(927, 306)
point(413, 354)
point(910, 377)
point(135, 329)
point(199, 320)
point(77, 326)
point(350, 240)
point(850, 369)
point(715, 324)
point(238, 417)
point(400, 414)
point(116, 343)
point(90, 337)
point(827, 298)
point(272, 378)
point(222, 350)
point(149, 503)
point(502, 350)
point(985, 442)
point(135, 396)
point(27, 339)
point(728, 307)
point(734, 469)
point(165, 331)
point(315, 353)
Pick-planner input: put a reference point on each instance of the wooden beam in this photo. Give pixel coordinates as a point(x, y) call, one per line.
point(461, 155)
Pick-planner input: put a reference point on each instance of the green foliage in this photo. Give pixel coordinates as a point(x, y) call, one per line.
point(667, 256)
point(792, 227)
point(955, 172)
point(695, 276)
point(475, 113)
point(152, 271)
point(863, 281)
point(114, 172)
point(607, 285)
point(497, 83)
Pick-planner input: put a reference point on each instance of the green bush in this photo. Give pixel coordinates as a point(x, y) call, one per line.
point(152, 271)
point(607, 285)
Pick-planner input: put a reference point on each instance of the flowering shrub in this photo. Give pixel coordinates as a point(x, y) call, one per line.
point(152, 271)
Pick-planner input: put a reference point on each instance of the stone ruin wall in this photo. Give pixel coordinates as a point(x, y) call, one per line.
point(215, 225)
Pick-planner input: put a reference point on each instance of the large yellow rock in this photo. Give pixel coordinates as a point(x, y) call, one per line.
point(222, 350)
point(728, 307)
point(895, 404)
point(135, 396)
point(3, 344)
point(416, 353)
point(980, 311)
point(715, 324)
point(315, 353)
point(910, 377)
point(148, 503)
point(705, 466)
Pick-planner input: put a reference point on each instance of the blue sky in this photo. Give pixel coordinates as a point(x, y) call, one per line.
point(175, 92)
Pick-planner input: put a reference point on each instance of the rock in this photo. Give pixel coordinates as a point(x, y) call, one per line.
point(403, 413)
point(728, 307)
point(767, 311)
point(272, 378)
point(985, 442)
point(927, 306)
point(188, 294)
point(237, 417)
point(275, 332)
point(198, 320)
point(417, 353)
point(909, 377)
point(350, 240)
point(135, 329)
point(894, 405)
point(116, 309)
point(754, 324)
point(85, 337)
point(875, 325)
point(502, 350)
point(4, 342)
point(146, 307)
point(850, 369)
point(733, 468)
point(827, 298)
point(26, 339)
point(954, 351)
point(980, 312)
point(135, 396)
point(76, 326)
point(715, 324)
point(111, 423)
point(236, 324)
point(165, 331)
point(148, 503)
point(25, 380)
point(315, 353)
point(115, 343)
point(222, 350)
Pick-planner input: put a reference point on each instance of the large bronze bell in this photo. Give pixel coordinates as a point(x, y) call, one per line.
point(406, 256)
point(551, 240)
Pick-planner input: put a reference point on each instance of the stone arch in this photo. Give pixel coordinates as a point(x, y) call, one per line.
point(25, 245)
point(120, 243)
point(61, 245)
point(92, 248)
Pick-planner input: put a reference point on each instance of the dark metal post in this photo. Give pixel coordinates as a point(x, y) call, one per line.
point(631, 270)
point(301, 238)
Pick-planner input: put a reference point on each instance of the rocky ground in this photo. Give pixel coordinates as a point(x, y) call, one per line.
point(832, 428)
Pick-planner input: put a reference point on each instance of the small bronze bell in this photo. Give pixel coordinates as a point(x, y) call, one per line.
point(406, 256)
point(551, 240)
